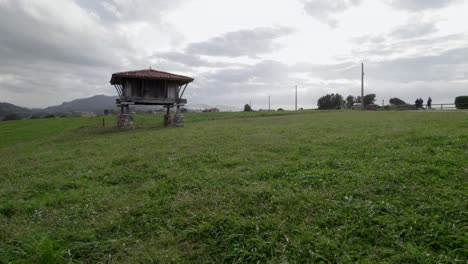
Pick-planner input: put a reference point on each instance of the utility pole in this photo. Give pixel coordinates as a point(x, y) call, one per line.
point(362, 86)
point(296, 99)
point(268, 103)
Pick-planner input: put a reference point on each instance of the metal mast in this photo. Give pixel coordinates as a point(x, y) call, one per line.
point(296, 99)
point(362, 86)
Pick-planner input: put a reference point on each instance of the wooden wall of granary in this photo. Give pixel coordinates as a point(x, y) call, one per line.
point(150, 88)
point(172, 89)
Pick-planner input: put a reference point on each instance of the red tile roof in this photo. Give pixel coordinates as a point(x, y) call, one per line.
point(149, 74)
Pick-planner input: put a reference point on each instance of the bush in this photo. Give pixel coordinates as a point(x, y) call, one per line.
point(35, 116)
point(461, 102)
point(247, 108)
point(10, 117)
point(350, 101)
point(330, 101)
point(399, 107)
point(397, 101)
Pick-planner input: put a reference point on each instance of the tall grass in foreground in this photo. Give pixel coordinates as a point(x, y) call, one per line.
point(236, 187)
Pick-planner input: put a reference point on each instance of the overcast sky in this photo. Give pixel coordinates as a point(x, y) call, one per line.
point(237, 50)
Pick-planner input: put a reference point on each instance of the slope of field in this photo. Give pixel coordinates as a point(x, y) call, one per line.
point(236, 187)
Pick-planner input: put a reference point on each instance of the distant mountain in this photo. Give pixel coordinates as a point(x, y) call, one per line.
point(96, 104)
point(228, 108)
point(7, 108)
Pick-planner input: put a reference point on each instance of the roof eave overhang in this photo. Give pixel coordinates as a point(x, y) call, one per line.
point(118, 79)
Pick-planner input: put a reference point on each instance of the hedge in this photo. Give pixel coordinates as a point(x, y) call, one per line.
point(461, 102)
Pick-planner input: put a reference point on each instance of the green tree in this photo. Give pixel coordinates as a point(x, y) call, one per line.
point(397, 101)
point(330, 101)
point(368, 99)
point(247, 108)
point(461, 102)
point(350, 101)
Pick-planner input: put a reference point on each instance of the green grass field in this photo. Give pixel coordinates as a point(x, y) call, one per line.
point(284, 187)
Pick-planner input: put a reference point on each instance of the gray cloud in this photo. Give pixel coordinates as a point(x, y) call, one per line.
point(414, 29)
point(423, 46)
point(419, 37)
point(41, 39)
point(323, 10)
point(418, 5)
point(345, 70)
point(440, 76)
point(267, 71)
point(413, 32)
point(406, 78)
point(129, 10)
point(47, 61)
point(251, 42)
point(422, 76)
point(183, 58)
point(370, 39)
point(190, 60)
point(237, 86)
point(49, 55)
point(447, 66)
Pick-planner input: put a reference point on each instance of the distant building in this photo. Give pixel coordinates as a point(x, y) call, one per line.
point(211, 110)
point(87, 114)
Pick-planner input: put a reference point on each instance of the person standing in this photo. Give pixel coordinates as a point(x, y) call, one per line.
point(421, 103)
point(429, 103)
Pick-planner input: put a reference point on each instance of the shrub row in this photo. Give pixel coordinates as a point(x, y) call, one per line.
point(461, 102)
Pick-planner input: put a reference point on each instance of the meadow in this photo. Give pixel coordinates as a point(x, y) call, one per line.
point(276, 187)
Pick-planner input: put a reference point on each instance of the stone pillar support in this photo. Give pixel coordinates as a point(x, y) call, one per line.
point(168, 118)
point(179, 119)
point(125, 118)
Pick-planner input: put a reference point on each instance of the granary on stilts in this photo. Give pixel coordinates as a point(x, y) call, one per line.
point(150, 87)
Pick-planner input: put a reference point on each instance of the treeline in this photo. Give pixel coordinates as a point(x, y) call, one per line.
point(15, 116)
point(336, 101)
point(41, 115)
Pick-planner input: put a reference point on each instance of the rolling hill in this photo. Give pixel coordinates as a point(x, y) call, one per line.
point(7, 108)
point(96, 104)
